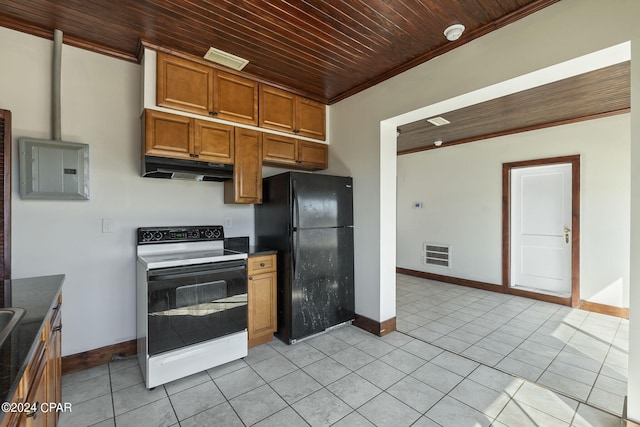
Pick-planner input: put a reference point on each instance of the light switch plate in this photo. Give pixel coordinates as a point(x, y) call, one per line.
point(107, 225)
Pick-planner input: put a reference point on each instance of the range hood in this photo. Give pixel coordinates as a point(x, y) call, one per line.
point(162, 167)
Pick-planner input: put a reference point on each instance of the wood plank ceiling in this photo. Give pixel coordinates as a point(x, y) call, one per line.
point(325, 50)
point(599, 93)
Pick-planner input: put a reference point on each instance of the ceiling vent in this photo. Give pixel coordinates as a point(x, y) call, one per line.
point(224, 58)
point(438, 121)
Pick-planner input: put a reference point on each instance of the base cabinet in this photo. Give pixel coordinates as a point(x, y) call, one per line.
point(262, 297)
point(41, 382)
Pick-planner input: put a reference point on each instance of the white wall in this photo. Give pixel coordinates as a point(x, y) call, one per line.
point(560, 32)
point(461, 190)
point(565, 30)
point(100, 107)
point(633, 397)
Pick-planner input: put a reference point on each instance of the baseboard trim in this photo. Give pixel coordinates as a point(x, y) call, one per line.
point(604, 309)
point(584, 305)
point(96, 357)
point(450, 279)
point(373, 326)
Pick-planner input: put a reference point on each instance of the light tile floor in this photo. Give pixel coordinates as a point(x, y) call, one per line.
point(348, 377)
point(578, 353)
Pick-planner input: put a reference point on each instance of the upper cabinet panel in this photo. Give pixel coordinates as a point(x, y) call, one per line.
point(235, 98)
point(277, 109)
point(310, 118)
point(184, 85)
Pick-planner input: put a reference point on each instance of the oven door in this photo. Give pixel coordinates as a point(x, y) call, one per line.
point(195, 303)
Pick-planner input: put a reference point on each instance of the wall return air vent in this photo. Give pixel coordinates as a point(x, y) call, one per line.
point(439, 255)
point(224, 58)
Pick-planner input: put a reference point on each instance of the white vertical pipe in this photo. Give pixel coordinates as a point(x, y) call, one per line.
point(55, 91)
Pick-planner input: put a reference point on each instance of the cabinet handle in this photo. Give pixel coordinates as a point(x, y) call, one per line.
point(57, 307)
point(262, 264)
point(196, 155)
point(296, 131)
point(298, 161)
point(57, 328)
point(213, 113)
point(250, 277)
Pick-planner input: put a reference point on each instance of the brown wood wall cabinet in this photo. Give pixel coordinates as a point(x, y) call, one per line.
point(262, 299)
point(42, 379)
point(293, 153)
point(286, 112)
point(180, 137)
point(200, 89)
point(246, 186)
point(196, 88)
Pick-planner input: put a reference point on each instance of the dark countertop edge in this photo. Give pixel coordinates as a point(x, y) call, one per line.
point(12, 390)
point(256, 251)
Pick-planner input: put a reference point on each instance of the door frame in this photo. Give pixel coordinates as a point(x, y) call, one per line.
point(5, 197)
point(574, 300)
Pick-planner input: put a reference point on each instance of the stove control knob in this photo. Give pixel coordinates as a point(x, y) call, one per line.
point(208, 233)
point(216, 233)
point(194, 234)
point(146, 236)
point(157, 235)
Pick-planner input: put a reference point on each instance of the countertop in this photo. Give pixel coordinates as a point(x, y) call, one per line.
point(256, 251)
point(241, 244)
point(37, 295)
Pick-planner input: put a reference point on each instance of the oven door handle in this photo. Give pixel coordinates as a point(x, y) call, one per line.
point(174, 273)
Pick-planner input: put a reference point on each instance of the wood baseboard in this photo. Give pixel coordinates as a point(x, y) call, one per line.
point(584, 305)
point(373, 326)
point(96, 357)
point(452, 280)
point(605, 309)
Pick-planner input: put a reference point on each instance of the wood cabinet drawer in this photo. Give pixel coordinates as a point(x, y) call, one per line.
point(261, 264)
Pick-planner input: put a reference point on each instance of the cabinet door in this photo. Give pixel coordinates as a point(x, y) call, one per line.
point(277, 109)
point(310, 118)
point(278, 150)
point(168, 135)
point(313, 155)
point(262, 292)
point(54, 364)
point(214, 142)
point(37, 395)
point(235, 98)
point(246, 186)
point(184, 85)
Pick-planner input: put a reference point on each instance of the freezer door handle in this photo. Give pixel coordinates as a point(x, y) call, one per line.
point(294, 205)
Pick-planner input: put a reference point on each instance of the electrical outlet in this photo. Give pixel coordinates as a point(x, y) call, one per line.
point(228, 222)
point(417, 205)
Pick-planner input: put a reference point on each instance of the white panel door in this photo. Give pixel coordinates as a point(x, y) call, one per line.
point(541, 229)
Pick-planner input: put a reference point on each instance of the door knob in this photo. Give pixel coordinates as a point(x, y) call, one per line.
point(566, 234)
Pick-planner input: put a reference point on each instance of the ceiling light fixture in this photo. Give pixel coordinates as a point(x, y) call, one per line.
point(437, 143)
point(453, 32)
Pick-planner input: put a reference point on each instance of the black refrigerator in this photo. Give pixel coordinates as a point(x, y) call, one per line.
point(308, 219)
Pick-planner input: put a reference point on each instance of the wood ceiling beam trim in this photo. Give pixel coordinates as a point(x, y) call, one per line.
point(518, 130)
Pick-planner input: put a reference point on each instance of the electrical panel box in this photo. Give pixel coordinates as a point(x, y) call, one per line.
point(54, 170)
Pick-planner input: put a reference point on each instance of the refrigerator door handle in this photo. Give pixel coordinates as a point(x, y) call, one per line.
point(294, 253)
